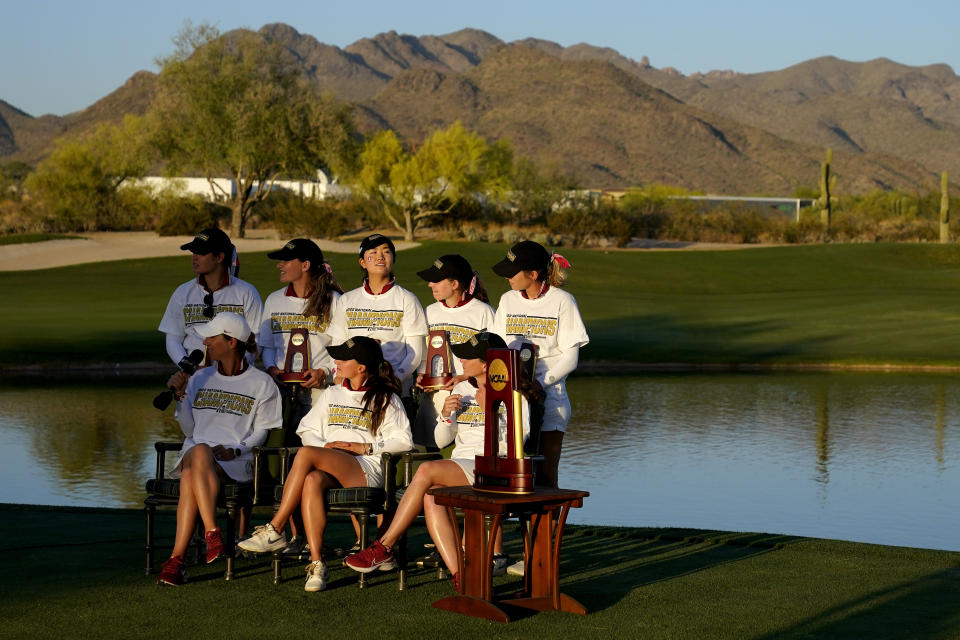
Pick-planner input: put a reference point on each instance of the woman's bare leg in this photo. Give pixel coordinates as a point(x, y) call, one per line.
point(334, 469)
point(435, 473)
point(442, 532)
point(199, 487)
point(186, 515)
point(307, 459)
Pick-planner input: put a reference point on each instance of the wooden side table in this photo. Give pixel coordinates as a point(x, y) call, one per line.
point(546, 510)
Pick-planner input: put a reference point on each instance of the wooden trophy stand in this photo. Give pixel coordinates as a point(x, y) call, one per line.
point(504, 487)
point(297, 362)
point(439, 371)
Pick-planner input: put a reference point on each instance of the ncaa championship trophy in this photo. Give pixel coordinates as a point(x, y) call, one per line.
point(493, 473)
point(297, 363)
point(439, 371)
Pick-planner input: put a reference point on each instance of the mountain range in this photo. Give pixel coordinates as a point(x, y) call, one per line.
point(611, 121)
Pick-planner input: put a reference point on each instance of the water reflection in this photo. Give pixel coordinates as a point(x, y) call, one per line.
point(869, 457)
point(87, 443)
point(848, 456)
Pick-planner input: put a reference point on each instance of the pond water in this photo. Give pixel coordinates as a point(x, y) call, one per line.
point(864, 457)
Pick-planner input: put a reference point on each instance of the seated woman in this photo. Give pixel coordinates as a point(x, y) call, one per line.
point(463, 416)
point(226, 412)
point(344, 434)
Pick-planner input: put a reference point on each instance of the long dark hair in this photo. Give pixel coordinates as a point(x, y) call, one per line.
point(479, 292)
point(382, 384)
point(321, 300)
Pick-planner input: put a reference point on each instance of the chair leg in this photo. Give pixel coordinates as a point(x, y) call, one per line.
point(229, 537)
point(277, 562)
point(400, 554)
point(148, 511)
point(364, 519)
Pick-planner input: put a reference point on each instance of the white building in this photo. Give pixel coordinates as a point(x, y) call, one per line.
point(225, 188)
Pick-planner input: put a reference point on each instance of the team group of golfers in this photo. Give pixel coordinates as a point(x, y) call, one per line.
point(352, 401)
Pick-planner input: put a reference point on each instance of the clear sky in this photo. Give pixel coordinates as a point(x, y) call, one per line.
point(59, 56)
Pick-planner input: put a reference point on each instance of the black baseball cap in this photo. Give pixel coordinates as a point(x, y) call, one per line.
point(211, 240)
point(452, 266)
point(476, 346)
point(299, 249)
point(523, 256)
point(364, 350)
point(374, 241)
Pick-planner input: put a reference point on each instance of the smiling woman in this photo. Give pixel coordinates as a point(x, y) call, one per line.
point(383, 310)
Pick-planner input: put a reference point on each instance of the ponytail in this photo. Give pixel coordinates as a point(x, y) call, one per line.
point(554, 272)
point(383, 384)
point(474, 287)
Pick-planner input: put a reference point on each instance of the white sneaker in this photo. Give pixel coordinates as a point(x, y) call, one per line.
point(500, 561)
point(264, 539)
point(316, 576)
point(516, 569)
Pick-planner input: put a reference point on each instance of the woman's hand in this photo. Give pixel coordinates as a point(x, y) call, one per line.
point(315, 378)
point(356, 448)
point(224, 454)
point(274, 373)
point(451, 405)
point(179, 383)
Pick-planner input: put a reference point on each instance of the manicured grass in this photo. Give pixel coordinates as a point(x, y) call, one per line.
point(71, 573)
point(24, 238)
point(848, 304)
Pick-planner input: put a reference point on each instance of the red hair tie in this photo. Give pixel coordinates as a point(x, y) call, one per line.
point(559, 259)
point(473, 285)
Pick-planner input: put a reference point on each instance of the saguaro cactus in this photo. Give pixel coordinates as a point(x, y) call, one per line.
point(825, 180)
point(944, 209)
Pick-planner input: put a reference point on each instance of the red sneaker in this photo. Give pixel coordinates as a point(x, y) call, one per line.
point(214, 544)
point(374, 557)
point(173, 572)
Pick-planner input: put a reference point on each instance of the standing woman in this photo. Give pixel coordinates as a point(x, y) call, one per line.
point(307, 302)
point(343, 436)
point(462, 416)
point(538, 311)
point(215, 289)
point(462, 310)
point(226, 412)
point(383, 310)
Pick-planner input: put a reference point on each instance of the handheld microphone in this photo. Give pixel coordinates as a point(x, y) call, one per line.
point(188, 364)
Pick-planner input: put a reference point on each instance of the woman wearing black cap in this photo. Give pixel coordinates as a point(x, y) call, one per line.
point(537, 310)
point(306, 302)
point(462, 310)
point(383, 310)
point(215, 288)
point(343, 436)
point(462, 417)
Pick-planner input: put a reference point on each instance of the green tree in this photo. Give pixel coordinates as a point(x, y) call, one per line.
point(78, 186)
point(236, 106)
point(12, 176)
point(452, 165)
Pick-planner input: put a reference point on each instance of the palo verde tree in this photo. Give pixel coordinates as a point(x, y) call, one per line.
point(77, 187)
point(452, 164)
point(235, 106)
